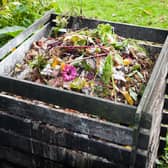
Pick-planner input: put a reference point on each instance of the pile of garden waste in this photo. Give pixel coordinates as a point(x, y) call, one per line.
point(94, 62)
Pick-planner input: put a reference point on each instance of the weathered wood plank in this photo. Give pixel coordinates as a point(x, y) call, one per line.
point(25, 34)
point(159, 73)
point(72, 122)
point(156, 108)
point(143, 140)
point(18, 55)
point(63, 138)
point(54, 153)
point(151, 104)
point(111, 111)
point(25, 160)
point(141, 157)
point(152, 50)
point(126, 30)
point(152, 116)
point(24, 128)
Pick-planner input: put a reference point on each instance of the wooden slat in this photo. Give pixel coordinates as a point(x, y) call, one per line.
point(114, 112)
point(18, 55)
point(152, 50)
point(126, 30)
point(156, 108)
point(141, 157)
point(154, 121)
point(159, 73)
point(63, 138)
point(143, 140)
point(54, 153)
point(94, 128)
point(25, 34)
point(149, 110)
point(24, 160)
point(53, 139)
point(73, 122)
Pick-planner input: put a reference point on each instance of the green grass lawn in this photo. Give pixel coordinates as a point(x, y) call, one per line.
point(152, 13)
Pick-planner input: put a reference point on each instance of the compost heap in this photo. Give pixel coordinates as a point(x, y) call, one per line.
point(95, 62)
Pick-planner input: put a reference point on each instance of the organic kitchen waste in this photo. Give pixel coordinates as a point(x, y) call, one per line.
point(95, 62)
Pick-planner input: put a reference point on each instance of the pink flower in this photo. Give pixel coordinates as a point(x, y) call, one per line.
point(69, 72)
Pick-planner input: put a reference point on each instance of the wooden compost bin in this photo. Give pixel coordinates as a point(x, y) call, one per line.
point(35, 135)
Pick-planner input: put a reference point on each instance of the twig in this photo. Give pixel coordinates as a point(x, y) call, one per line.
point(85, 58)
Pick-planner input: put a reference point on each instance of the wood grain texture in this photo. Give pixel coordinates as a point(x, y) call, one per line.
point(159, 72)
point(24, 160)
point(72, 122)
point(61, 155)
point(63, 138)
point(103, 131)
point(155, 107)
point(105, 109)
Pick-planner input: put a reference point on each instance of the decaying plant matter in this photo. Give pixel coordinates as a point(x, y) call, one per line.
point(95, 62)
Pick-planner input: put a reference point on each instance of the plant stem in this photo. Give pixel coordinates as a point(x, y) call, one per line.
point(85, 58)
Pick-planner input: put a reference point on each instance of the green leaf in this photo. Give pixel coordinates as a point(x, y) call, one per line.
point(60, 21)
point(86, 66)
point(12, 31)
point(107, 69)
point(38, 62)
point(77, 39)
point(136, 67)
point(120, 45)
point(104, 28)
point(105, 31)
point(78, 84)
